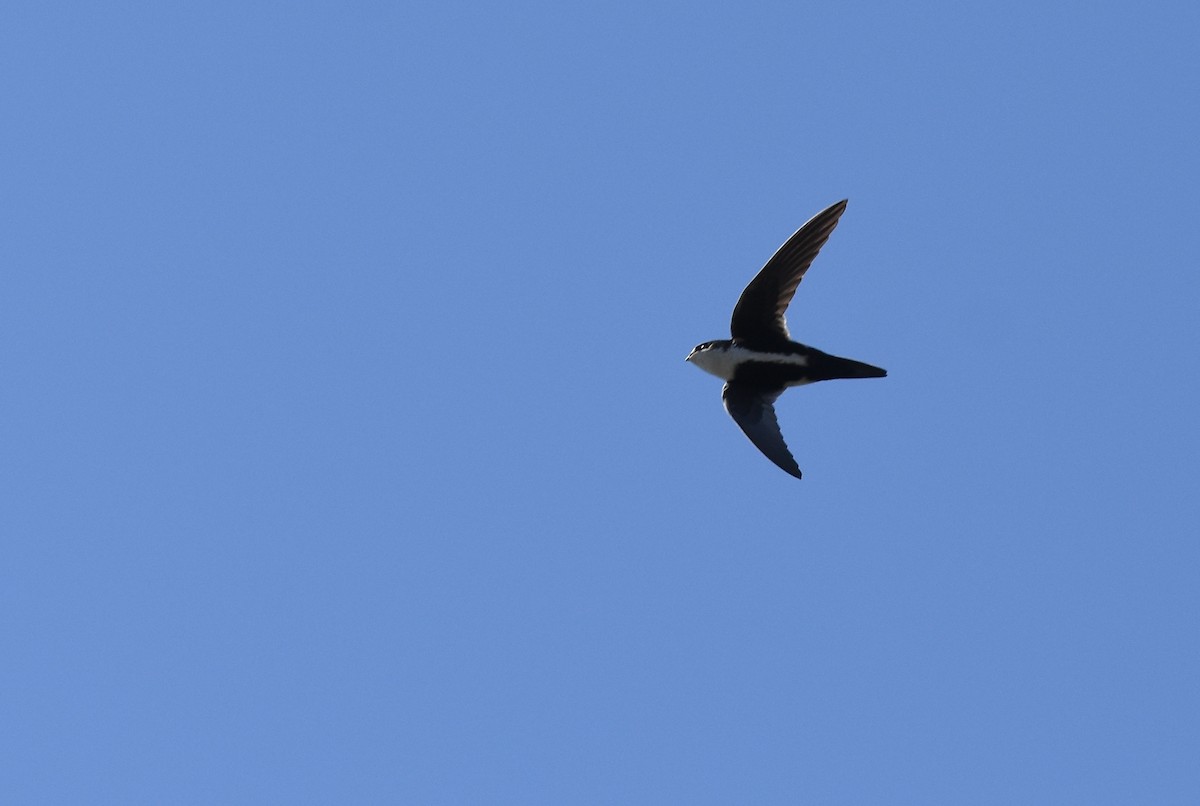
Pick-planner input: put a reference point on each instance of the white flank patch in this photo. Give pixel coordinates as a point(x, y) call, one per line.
point(724, 361)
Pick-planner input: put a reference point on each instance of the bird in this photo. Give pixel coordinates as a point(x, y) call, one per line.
point(761, 361)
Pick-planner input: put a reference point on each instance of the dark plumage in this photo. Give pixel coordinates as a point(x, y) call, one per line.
point(761, 361)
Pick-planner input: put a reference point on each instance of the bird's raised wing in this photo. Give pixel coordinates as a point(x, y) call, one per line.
point(758, 319)
point(753, 409)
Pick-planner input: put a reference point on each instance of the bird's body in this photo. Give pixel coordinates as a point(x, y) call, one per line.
point(761, 360)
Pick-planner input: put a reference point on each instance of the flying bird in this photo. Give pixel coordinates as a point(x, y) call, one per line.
point(761, 361)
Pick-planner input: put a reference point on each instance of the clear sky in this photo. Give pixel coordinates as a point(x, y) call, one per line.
point(349, 453)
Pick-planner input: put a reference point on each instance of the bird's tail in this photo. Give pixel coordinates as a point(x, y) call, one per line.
point(833, 367)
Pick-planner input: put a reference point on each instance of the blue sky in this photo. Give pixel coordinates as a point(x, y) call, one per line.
point(350, 455)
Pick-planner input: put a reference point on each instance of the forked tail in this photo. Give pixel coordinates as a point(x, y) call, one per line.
point(833, 367)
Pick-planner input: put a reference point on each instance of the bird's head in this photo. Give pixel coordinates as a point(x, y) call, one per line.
point(699, 348)
point(712, 357)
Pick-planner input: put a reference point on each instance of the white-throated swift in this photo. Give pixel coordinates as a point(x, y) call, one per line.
point(761, 361)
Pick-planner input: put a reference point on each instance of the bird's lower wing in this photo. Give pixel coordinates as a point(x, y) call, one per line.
point(753, 409)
